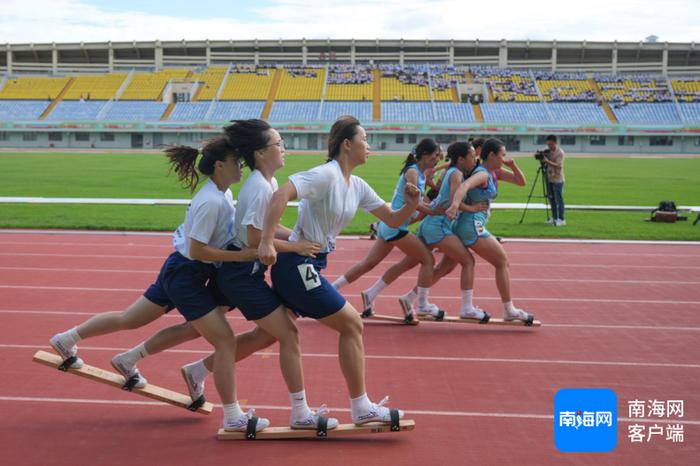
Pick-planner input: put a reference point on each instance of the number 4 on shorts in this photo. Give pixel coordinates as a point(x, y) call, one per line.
point(309, 276)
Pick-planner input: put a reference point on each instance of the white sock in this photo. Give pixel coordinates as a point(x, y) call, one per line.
point(411, 295)
point(340, 282)
point(508, 306)
point(232, 412)
point(374, 290)
point(71, 336)
point(360, 404)
point(467, 304)
point(136, 353)
point(422, 296)
point(198, 370)
point(300, 408)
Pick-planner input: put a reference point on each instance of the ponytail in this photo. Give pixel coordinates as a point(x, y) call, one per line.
point(424, 146)
point(182, 159)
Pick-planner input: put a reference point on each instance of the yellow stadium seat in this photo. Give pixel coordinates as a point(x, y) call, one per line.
point(102, 87)
point(33, 88)
point(149, 86)
point(302, 87)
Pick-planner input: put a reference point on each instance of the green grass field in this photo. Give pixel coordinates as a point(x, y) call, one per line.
point(599, 181)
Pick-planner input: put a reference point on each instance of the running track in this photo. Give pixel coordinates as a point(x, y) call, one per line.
point(626, 317)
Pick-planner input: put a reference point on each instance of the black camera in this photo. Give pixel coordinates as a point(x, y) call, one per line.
point(541, 154)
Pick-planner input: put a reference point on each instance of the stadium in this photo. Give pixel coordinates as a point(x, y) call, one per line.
point(600, 97)
point(594, 366)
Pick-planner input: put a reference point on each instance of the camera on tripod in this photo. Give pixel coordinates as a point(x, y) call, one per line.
point(541, 154)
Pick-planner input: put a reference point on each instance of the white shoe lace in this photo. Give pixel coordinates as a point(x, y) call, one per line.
point(475, 311)
point(321, 411)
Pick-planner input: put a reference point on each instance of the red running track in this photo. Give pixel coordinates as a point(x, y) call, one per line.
point(621, 316)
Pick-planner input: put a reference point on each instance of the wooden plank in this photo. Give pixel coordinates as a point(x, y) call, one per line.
point(341, 431)
point(116, 380)
point(386, 318)
point(492, 321)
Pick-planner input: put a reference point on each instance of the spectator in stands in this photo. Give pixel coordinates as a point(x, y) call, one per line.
point(554, 159)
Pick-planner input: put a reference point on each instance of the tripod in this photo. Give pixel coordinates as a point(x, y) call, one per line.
point(541, 172)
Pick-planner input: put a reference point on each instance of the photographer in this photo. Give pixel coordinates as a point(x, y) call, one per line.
point(554, 159)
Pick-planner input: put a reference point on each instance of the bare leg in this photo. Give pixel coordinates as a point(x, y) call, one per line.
point(414, 248)
point(374, 256)
point(492, 251)
point(453, 248)
point(140, 313)
point(398, 269)
point(351, 351)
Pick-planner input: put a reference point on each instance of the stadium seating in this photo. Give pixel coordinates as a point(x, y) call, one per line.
point(249, 83)
point(686, 89)
point(565, 87)
point(348, 82)
point(22, 109)
point(691, 112)
point(95, 87)
point(454, 112)
point(407, 111)
point(506, 85)
point(295, 111)
point(301, 83)
point(33, 88)
point(149, 86)
point(579, 112)
point(513, 112)
point(443, 80)
point(77, 110)
point(633, 88)
point(232, 110)
point(211, 79)
point(645, 113)
point(360, 110)
point(135, 111)
point(189, 111)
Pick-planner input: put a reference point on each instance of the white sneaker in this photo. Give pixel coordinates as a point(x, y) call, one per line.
point(550, 221)
point(518, 314)
point(407, 307)
point(431, 310)
point(560, 223)
point(128, 370)
point(65, 351)
point(475, 313)
point(311, 420)
point(194, 386)
point(377, 413)
point(241, 424)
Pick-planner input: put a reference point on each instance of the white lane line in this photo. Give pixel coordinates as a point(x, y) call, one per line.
point(354, 261)
point(421, 412)
point(412, 358)
point(353, 295)
point(233, 316)
point(368, 276)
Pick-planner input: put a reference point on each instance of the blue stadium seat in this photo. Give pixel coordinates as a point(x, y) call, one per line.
point(189, 111)
point(691, 112)
point(578, 113)
point(511, 112)
point(334, 109)
point(454, 112)
point(407, 111)
point(135, 110)
point(647, 113)
point(76, 110)
point(227, 110)
point(22, 109)
point(295, 111)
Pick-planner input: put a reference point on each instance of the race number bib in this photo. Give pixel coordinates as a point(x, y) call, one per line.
point(479, 227)
point(309, 276)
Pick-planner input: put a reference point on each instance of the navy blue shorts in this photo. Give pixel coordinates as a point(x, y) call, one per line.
point(297, 280)
point(186, 285)
point(243, 285)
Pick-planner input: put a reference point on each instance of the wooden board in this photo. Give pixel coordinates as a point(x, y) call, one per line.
point(340, 431)
point(385, 318)
point(492, 321)
point(116, 380)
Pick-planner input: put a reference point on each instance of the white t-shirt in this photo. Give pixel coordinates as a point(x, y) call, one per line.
point(328, 203)
point(253, 201)
point(209, 220)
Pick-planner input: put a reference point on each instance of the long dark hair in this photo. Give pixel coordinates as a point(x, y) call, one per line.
point(491, 145)
point(345, 127)
point(424, 146)
point(182, 160)
point(457, 150)
point(246, 137)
